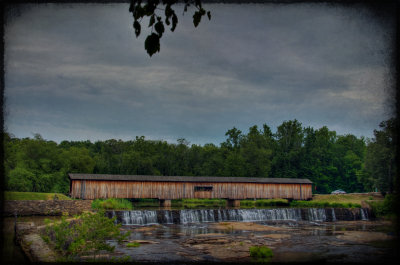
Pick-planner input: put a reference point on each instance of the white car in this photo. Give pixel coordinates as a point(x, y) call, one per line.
point(338, 192)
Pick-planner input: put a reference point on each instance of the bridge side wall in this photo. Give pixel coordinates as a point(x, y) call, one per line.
point(93, 189)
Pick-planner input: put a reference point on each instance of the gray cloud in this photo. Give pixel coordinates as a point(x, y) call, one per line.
point(78, 72)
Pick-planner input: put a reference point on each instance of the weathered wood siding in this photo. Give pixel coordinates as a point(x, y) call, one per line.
point(93, 189)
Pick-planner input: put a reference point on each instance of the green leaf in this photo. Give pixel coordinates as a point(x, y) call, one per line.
point(138, 12)
point(168, 11)
point(149, 9)
point(136, 26)
point(174, 22)
point(131, 7)
point(196, 18)
point(159, 27)
point(152, 21)
point(152, 44)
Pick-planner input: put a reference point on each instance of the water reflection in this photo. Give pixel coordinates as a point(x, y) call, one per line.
point(319, 239)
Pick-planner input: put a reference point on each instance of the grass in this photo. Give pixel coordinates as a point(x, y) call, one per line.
point(195, 203)
point(112, 204)
point(145, 202)
point(318, 200)
point(263, 202)
point(351, 200)
point(133, 244)
point(344, 198)
point(261, 253)
point(16, 195)
point(321, 204)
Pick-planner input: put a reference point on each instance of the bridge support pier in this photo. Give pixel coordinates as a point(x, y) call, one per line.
point(233, 203)
point(165, 203)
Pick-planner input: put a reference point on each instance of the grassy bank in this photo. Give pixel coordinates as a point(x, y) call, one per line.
point(354, 198)
point(319, 201)
point(199, 203)
point(15, 195)
point(112, 204)
point(386, 208)
point(263, 203)
point(318, 204)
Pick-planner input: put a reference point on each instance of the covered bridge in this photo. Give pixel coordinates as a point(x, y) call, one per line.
point(166, 188)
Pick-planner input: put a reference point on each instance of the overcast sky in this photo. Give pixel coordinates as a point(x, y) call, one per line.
point(77, 72)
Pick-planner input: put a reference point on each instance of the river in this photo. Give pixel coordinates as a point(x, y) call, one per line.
point(291, 241)
point(225, 235)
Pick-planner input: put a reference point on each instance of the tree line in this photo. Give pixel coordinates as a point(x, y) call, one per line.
point(329, 160)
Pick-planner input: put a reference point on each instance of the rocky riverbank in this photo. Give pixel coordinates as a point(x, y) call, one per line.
point(28, 237)
point(45, 207)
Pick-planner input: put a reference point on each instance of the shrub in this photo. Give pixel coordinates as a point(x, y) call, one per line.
point(87, 234)
point(261, 253)
point(112, 204)
point(384, 208)
point(193, 203)
point(264, 203)
point(247, 203)
point(273, 202)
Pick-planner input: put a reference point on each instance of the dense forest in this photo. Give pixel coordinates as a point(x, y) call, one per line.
point(331, 161)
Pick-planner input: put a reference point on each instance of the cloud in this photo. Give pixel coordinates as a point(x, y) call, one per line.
point(78, 71)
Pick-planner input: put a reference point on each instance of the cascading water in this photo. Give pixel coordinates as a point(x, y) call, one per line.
point(364, 214)
point(146, 217)
point(168, 217)
point(316, 214)
point(333, 215)
point(139, 217)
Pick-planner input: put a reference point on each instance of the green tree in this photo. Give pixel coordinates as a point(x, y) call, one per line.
point(234, 138)
point(256, 149)
point(380, 164)
point(235, 165)
point(289, 137)
point(77, 160)
point(38, 157)
point(317, 158)
point(213, 164)
point(20, 179)
point(349, 156)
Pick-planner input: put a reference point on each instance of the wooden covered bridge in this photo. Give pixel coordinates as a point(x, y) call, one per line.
point(167, 188)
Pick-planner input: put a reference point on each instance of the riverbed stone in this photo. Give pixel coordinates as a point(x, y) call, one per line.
point(248, 226)
point(363, 236)
point(276, 236)
point(36, 249)
point(45, 207)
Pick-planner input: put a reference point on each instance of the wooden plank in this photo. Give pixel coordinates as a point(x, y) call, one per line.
point(93, 189)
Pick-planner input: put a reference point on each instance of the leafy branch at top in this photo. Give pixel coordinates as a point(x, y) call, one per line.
point(156, 22)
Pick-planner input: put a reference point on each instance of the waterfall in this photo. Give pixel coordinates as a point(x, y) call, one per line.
point(139, 217)
point(316, 214)
point(197, 216)
point(168, 217)
point(333, 215)
point(146, 217)
point(364, 214)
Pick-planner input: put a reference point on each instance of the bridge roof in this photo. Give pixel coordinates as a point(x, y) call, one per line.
point(187, 179)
